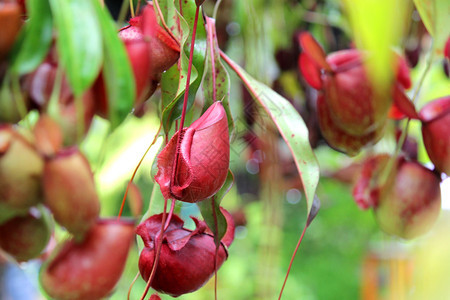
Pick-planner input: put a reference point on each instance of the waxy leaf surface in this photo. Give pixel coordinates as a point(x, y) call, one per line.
point(435, 16)
point(219, 88)
point(173, 81)
point(291, 127)
point(79, 41)
point(35, 39)
point(210, 209)
point(117, 71)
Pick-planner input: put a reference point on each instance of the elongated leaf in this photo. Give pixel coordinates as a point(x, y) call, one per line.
point(12, 107)
point(435, 16)
point(442, 25)
point(426, 12)
point(35, 39)
point(117, 71)
point(173, 82)
point(216, 81)
point(210, 209)
point(291, 127)
point(170, 15)
point(79, 41)
point(377, 27)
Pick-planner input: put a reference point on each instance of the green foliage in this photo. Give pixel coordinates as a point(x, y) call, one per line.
point(79, 40)
point(210, 209)
point(334, 246)
point(35, 39)
point(173, 81)
point(291, 127)
point(216, 81)
point(434, 14)
point(118, 76)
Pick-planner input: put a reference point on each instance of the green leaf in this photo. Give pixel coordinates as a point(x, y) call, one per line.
point(210, 209)
point(173, 81)
point(117, 72)
point(435, 16)
point(12, 104)
point(170, 15)
point(79, 41)
point(291, 127)
point(35, 39)
point(378, 26)
point(426, 11)
point(442, 25)
point(216, 83)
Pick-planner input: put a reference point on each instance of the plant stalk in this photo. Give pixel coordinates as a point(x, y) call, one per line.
point(158, 242)
point(292, 260)
point(401, 140)
point(132, 8)
point(211, 52)
point(185, 99)
point(135, 171)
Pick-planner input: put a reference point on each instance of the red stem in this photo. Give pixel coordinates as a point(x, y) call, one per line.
point(172, 207)
point(216, 232)
point(158, 241)
point(181, 7)
point(233, 66)
point(292, 260)
point(215, 271)
point(131, 286)
point(188, 76)
point(159, 237)
point(186, 96)
point(163, 23)
point(213, 62)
